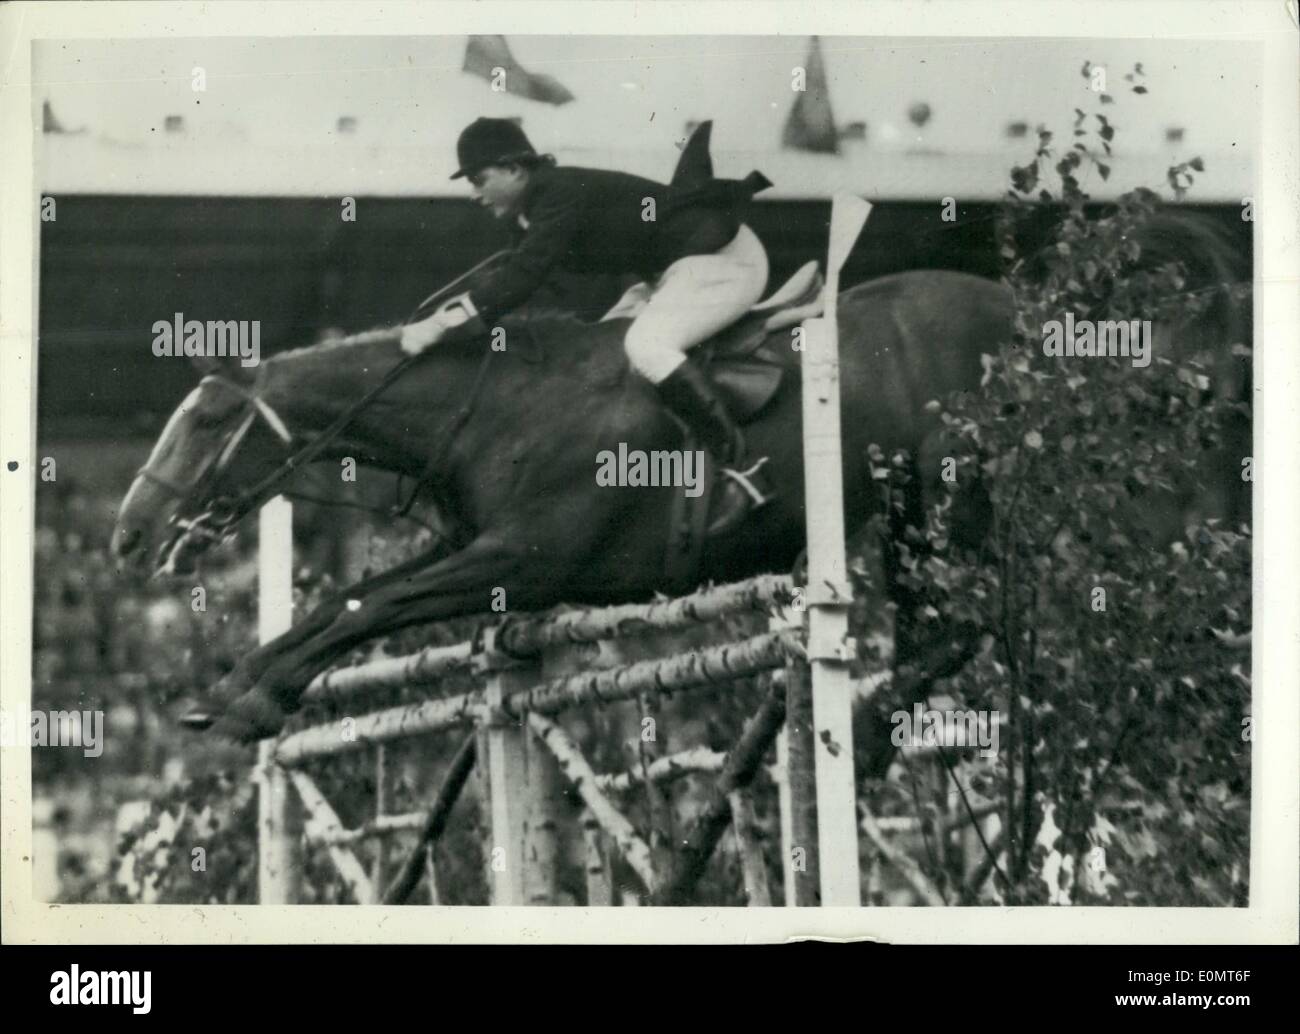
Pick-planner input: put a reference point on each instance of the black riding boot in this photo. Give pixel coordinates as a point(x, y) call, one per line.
point(690, 395)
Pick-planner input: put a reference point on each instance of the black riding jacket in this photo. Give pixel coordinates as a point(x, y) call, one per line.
point(600, 221)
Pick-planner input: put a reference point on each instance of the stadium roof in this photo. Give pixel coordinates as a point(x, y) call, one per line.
point(378, 116)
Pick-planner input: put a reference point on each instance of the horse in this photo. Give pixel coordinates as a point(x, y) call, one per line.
point(510, 442)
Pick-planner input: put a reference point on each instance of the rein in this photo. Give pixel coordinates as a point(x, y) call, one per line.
point(449, 438)
point(249, 497)
point(226, 510)
point(217, 463)
point(246, 499)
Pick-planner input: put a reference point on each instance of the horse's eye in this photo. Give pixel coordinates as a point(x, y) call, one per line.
point(206, 418)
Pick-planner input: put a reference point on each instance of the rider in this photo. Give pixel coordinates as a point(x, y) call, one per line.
point(706, 269)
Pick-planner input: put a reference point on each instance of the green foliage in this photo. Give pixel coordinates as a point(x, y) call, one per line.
point(215, 814)
point(1124, 714)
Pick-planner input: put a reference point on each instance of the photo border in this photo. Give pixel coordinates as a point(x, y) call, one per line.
point(1275, 780)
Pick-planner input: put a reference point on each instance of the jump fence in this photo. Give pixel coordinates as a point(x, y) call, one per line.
point(533, 668)
point(530, 670)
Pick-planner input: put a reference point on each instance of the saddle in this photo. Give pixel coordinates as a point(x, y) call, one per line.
point(748, 360)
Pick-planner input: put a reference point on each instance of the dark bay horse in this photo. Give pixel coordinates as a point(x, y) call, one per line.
point(518, 476)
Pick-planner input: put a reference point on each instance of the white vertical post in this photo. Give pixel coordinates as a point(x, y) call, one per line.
point(785, 807)
point(277, 843)
point(525, 787)
point(507, 768)
point(829, 593)
point(274, 569)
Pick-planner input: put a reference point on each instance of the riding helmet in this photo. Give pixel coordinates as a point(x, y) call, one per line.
point(487, 141)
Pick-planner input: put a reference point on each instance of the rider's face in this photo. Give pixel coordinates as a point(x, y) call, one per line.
point(499, 188)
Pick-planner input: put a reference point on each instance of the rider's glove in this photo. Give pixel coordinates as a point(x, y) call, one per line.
point(456, 312)
point(416, 337)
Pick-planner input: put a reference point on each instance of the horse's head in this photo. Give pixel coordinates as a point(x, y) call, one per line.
point(201, 478)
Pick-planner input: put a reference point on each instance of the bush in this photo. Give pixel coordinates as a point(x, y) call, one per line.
point(1123, 773)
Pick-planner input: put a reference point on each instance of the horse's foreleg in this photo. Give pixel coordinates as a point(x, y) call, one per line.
point(463, 583)
point(258, 660)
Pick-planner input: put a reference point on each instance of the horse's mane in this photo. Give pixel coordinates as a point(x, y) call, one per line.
point(548, 321)
point(545, 324)
point(377, 336)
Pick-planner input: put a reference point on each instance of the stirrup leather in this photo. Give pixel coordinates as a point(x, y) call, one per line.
point(742, 478)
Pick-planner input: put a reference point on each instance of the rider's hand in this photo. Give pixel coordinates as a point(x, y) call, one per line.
point(416, 337)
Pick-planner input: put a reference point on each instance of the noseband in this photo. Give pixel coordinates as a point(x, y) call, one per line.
point(225, 511)
point(255, 407)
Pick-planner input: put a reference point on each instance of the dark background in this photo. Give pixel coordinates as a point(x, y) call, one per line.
point(113, 265)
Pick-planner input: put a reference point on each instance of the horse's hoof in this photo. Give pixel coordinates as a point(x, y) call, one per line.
point(253, 717)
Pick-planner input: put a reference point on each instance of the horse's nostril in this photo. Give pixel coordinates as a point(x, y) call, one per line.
point(127, 542)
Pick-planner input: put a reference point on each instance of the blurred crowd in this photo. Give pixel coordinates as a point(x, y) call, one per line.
point(114, 644)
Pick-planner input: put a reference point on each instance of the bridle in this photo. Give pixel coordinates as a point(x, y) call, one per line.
point(213, 522)
point(226, 510)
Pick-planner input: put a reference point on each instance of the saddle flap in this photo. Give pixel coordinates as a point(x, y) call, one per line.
point(796, 300)
point(745, 370)
point(746, 385)
point(806, 281)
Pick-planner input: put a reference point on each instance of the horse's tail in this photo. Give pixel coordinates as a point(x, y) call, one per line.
point(1215, 266)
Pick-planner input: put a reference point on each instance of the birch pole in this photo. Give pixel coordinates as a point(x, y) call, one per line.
point(829, 593)
point(278, 868)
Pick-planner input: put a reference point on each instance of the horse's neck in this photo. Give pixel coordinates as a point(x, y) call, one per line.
point(562, 375)
point(312, 388)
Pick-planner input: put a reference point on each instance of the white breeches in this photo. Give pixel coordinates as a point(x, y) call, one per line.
point(694, 298)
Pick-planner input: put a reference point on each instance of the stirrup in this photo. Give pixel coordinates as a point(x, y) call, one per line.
point(742, 478)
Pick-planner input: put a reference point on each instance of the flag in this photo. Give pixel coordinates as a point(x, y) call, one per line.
point(811, 125)
point(49, 123)
point(485, 54)
point(694, 165)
